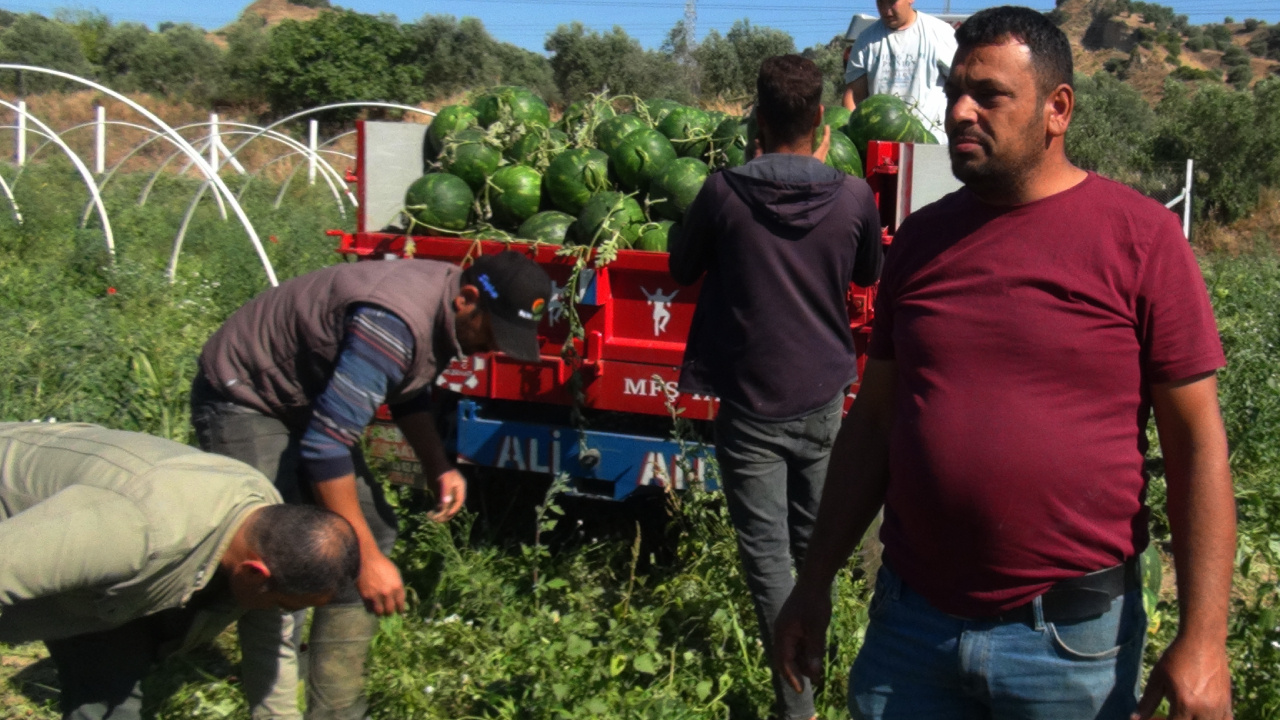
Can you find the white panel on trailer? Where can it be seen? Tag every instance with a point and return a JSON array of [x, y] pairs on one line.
[[392, 160], [926, 177]]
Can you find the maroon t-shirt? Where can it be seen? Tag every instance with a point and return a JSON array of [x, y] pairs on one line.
[[1026, 339]]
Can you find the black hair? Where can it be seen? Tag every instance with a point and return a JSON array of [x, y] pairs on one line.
[[309, 550], [789, 92], [1050, 50]]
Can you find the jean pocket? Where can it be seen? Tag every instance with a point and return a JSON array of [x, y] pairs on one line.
[[1103, 637]]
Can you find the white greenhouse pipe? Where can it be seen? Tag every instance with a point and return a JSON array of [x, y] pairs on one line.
[[181, 142]]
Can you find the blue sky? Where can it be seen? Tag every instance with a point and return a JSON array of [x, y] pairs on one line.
[[527, 22]]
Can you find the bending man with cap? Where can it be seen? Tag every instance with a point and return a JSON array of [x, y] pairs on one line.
[[118, 548], [288, 385]]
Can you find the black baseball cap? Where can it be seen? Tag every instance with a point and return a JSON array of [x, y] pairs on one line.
[[515, 291]]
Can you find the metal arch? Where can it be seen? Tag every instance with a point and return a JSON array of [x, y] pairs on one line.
[[204, 166], [284, 186], [80, 168], [334, 106], [253, 175], [297, 146], [327, 169], [17, 212], [110, 174]]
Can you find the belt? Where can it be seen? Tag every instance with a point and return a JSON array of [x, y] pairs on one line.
[[1079, 598]]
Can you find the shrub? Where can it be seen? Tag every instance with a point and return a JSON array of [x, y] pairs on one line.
[[1250, 24], [1239, 76]]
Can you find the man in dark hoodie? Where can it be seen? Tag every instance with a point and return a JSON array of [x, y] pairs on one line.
[[779, 240]]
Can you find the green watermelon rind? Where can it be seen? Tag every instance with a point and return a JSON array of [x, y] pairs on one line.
[[676, 186], [548, 226], [515, 195], [640, 157], [438, 202], [574, 176]]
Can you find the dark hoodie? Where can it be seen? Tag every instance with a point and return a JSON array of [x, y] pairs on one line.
[[779, 240]]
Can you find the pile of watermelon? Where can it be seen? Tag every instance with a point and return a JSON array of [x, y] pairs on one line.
[[611, 170]]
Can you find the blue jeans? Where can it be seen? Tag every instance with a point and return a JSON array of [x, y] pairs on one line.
[[918, 662], [772, 474]]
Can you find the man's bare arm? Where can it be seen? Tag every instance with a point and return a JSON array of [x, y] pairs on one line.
[[854, 93], [857, 476], [1194, 673]]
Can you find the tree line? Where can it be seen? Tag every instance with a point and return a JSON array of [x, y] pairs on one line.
[[1233, 134], [344, 55]]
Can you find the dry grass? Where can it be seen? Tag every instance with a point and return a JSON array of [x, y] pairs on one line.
[[1259, 231]]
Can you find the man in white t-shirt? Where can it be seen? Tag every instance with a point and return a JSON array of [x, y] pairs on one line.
[[908, 54]]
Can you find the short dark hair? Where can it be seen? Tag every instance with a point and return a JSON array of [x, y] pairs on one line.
[[789, 95], [309, 550], [1050, 50]]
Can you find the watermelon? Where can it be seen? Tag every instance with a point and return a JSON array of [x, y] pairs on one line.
[[734, 156], [488, 233], [511, 105], [548, 226], [658, 109], [439, 201], [676, 186], [640, 158], [881, 117], [583, 112], [471, 155], [611, 132], [653, 236], [575, 176], [517, 190], [688, 129], [605, 215], [538, 147], [450, 119], [729, 142], [836, 116], [842, 155]]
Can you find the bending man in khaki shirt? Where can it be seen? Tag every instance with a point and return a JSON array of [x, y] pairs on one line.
[[117, 548]]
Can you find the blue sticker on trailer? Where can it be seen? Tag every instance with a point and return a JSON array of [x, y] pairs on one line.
[[624, 461]]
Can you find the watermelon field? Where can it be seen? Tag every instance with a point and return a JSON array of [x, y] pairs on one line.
[[585, 622]]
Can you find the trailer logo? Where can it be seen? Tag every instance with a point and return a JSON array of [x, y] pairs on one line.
[[555, 308], [661, 315], [650, 387], [672, 471]]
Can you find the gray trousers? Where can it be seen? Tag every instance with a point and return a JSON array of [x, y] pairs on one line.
[[270, 641], [772, 474]]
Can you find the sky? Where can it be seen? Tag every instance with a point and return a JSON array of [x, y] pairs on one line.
[[526, 23]]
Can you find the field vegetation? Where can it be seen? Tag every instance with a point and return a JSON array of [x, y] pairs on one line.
[[587, 621]]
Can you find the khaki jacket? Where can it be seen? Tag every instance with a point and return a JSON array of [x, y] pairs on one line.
[[99, 527]]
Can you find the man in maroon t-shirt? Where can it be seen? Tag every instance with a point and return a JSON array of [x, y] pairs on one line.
[[1026, 328]]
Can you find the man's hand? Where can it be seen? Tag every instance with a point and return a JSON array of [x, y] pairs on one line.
[[825, 146], [451, 491], [1196, 678], [800, 635], [379, 584]]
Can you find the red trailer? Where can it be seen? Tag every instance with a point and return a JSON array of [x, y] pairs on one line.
[[600, 408]]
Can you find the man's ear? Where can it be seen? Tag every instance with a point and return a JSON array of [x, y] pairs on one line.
[[817, 123], [255, 572], [1058, 109], [468, 297]]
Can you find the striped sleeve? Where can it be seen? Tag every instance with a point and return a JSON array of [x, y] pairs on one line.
[[375, 354]]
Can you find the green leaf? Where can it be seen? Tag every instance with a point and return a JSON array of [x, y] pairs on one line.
[[646, 663], [617, 664], [577, 646], [703, 689]]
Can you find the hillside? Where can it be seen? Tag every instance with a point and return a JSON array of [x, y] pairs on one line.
[[1142, 53], [273, 12]]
